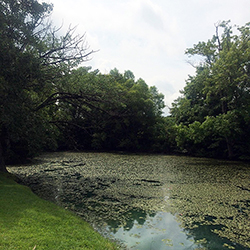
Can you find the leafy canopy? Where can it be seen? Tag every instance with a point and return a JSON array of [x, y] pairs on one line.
[[212, 115]]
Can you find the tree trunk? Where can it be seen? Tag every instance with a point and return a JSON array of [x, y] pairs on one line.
[[229, 148], [2, 163]]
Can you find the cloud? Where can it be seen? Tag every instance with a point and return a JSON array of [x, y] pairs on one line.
[[148, 37], [152, 16]]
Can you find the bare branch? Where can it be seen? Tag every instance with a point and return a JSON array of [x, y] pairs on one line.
[[191, 63], [70, 48], [75, 99], [217, 36]]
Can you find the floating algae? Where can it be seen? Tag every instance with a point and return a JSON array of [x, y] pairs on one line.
[[146, 198]]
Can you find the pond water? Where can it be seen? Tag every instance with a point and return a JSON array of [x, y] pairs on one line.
[[149, 201], [155, 231]]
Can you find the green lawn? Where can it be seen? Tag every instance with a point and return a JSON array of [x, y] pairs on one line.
[[28, 222]]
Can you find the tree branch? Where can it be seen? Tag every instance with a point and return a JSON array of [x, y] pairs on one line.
[[217, 36], [69, 97], [69, 48]]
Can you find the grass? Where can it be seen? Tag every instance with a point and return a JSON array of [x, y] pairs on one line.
[[28, 222]]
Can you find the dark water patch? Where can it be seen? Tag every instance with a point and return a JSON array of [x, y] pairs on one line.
[[156, 183], [205, 236], [243, 188], [53, 169]]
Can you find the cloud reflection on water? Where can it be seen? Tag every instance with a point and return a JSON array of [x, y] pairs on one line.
[[157, 232]]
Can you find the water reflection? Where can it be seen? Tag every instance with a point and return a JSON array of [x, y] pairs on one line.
[[161, 230], [156, 231], [131, 218], [204, 235]]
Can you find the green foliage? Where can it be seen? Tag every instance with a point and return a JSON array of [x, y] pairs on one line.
[[33, 62], [122, 113], [20, 78], [46, 101], [212, 116]]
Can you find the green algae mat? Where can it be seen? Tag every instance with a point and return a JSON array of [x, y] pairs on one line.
[[149, 201]]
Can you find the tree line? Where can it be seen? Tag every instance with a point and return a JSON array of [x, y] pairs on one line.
[[212, 116], [48, 101]]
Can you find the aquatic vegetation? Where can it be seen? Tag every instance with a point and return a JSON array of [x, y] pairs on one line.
[[221, 203], [114, 191]]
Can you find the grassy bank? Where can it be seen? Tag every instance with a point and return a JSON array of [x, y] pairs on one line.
[[28, 222]]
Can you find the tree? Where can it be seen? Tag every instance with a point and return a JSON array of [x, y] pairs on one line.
[[123, 115], [217, 97], [33, 61]]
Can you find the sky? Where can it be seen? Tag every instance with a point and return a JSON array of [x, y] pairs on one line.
[[148, 37]]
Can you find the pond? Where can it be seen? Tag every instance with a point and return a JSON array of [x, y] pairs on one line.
[[149, 201]]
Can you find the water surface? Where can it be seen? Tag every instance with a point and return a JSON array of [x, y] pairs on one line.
[[150, 201]]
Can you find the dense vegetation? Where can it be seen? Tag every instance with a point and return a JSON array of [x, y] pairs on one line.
[[122, 113], [213, 114], [48, 101]]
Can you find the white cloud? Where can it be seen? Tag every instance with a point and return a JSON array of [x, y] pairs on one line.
[[148, 37]]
